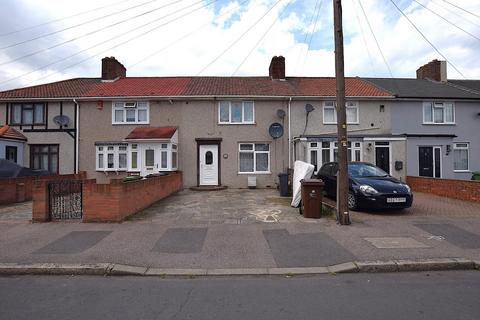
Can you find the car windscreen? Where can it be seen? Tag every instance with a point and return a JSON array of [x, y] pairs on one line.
[[362, 170]]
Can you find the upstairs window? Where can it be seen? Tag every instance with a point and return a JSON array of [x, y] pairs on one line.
[[330, 112], [130, 112], [438, 113], [236, 112], [27, 114]]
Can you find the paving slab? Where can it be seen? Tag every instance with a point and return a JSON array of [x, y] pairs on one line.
[[73, 242], [453, 234], [181, 240], [305, 249], [395, 243]]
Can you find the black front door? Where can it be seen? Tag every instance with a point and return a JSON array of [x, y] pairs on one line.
[[382, 158], [425, 161]]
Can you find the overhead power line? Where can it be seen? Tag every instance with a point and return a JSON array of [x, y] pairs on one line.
[[239, 38], [263, 37], [96, 19], [126, 41], [312, 33], [448, 21], [364, 38], [63, 18], [88, 33], [426, 39], [188, 34], [376, 41], [306, 34], [460, 8], [444, 7]]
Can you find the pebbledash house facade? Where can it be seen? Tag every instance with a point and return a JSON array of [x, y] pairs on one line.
[[219, 131]]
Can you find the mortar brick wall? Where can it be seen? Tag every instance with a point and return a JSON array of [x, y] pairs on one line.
[[468, 190], [117, 200]]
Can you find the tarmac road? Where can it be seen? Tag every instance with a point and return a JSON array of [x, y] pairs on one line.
[[421, 295]]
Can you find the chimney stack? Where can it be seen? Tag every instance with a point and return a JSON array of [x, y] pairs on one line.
[[276, 70], [434, 70], [112, 69]]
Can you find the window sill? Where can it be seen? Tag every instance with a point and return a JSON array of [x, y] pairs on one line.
[[257, 173], [439, 124], [235, 123], [129, 123], [348, 123], [463, 171], [111, 170]]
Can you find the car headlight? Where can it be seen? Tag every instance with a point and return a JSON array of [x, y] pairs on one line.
[[368, 190], [408, 188]]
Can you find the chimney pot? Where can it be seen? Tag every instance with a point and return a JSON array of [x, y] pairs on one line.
[[276, 70], [112, 69], [434, 70]]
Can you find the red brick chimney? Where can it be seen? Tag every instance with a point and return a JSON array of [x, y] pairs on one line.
[[276, 70], [112, 69], [434, 70]]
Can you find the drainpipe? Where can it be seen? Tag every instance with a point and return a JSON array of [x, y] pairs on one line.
[[289, 136], [77, 120]]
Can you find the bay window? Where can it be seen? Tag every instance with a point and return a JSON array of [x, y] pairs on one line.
[[254, 158], [320, 153]]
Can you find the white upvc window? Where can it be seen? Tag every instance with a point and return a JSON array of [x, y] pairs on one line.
[[461, 156], [134, 158], [438, 113], [236, 112], [111, 157], [327, 151], [254, 158], [130, 112], [330, 112]]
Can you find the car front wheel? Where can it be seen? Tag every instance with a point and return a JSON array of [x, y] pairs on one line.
[[352, 201]]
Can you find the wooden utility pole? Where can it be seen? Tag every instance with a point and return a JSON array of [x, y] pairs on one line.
[[342, 177]]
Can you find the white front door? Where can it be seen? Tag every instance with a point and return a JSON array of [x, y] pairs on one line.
[[150, 159], [208, 164]]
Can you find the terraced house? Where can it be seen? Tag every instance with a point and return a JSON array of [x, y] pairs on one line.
[[220, 131]]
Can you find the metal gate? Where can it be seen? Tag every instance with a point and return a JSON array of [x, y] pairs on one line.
[[65, 199]]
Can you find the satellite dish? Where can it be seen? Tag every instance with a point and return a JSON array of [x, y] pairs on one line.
[[61, 120], [309, 108], [281, 113], [275, 130]]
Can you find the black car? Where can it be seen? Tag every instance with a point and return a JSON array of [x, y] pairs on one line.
[[369, 187]]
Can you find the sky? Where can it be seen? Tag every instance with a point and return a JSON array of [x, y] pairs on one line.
[[50, 40]]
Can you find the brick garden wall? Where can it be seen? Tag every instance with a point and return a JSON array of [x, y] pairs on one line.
[[20, 189], [40, 210], [458, 189], [117, 200]]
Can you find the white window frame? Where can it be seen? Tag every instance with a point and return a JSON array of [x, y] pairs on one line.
[[332, 147], [230, 112], [456, 147], [116, 157], [254, 157], [432, 105], [348, 105], [121, 105]]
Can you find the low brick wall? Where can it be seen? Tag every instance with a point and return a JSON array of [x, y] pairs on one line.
[[20, 189], [40, 207], [458, 189], [117, 200]]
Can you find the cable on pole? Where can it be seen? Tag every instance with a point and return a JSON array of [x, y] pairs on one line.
[[426, 39], [364, 39], [311, 34], [306, 34]]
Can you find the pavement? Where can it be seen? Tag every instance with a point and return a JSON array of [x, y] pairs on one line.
[[394, 296], [246, 232]]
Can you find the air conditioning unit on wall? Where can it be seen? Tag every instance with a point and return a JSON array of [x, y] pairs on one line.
[[252, 182]]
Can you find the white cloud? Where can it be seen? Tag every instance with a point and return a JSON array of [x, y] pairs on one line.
[[214, 31]]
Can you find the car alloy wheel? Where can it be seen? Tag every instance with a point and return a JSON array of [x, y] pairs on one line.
[[352, 201]]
